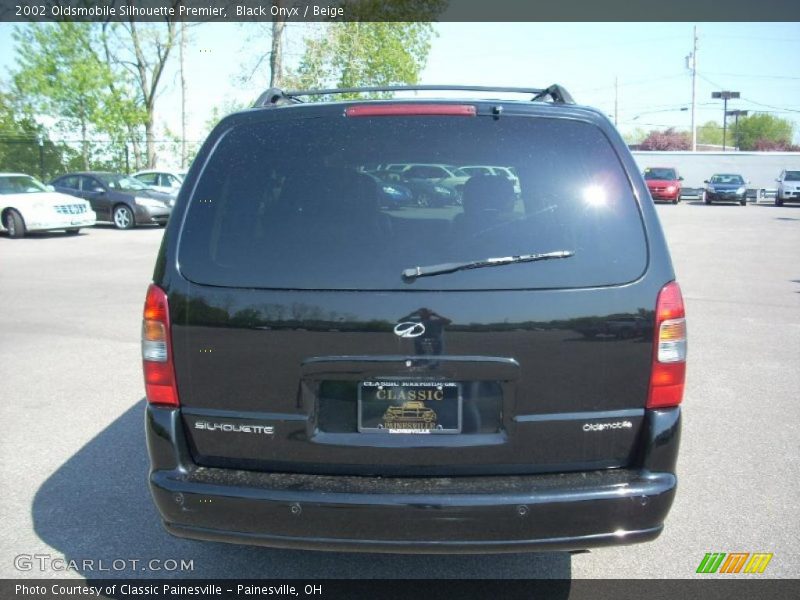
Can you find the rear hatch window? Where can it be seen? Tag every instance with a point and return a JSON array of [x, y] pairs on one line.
[[344, 203]]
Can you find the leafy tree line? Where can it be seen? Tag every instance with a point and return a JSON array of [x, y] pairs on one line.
[[757, 132], [89, 82], [101, 81]]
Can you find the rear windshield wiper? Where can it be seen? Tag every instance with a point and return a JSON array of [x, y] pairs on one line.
[[430, 270]]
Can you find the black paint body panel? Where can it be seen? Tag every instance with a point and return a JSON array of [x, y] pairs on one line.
[[507, 513]]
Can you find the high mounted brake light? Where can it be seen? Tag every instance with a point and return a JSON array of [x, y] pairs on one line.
[[668, 372], [159, 369], [391, 110]]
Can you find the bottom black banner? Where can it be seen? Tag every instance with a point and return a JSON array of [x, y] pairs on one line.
[[445, 589]]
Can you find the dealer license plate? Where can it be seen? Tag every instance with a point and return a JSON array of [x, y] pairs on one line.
[[415, 407]]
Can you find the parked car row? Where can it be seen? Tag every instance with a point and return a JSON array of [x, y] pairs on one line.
[[434, 185], [664, 184], [81, 199]]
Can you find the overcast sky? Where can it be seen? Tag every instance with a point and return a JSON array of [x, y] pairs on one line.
[[760, 60]]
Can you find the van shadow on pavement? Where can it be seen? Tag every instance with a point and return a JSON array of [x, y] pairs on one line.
[[97, 506]]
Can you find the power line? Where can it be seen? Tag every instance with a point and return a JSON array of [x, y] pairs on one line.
[[645, 108], [755, 76], [707, 80], [630, 83], [748, 37], [781, 108]]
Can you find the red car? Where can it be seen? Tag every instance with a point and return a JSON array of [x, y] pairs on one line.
[[664, 183]]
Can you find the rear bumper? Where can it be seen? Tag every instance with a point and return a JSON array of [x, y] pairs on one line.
[[665, 196], [569, 511], [52, 222], [726, 197]]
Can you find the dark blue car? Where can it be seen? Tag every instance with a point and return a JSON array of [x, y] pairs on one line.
[[725, 188]]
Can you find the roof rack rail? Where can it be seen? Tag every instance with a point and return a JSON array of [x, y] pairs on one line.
[[275, 96], [557, 94]]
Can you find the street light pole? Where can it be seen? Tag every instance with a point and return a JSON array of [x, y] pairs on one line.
[[724, 121], [725, 96]]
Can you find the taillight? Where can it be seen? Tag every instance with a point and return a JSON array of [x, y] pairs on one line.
[[390, 110], [159, 370], [669, 353]]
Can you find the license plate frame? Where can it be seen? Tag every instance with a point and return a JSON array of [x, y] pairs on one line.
[[392, 406]]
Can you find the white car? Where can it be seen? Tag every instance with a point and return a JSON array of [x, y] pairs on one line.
[[26, 204], [168, 182], [788, 187], [506, 172]]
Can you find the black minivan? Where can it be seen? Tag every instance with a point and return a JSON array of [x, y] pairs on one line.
[[325, 371]]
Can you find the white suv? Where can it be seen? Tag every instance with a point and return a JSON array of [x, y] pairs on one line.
[[788, 187]]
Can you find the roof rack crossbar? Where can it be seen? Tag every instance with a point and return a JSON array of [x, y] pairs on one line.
[[276, 96]]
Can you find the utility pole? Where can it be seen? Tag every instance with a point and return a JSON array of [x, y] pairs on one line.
[[691, 63], [616, 98], [183, 95]]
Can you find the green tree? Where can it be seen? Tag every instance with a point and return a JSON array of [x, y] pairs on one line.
[[25, 146], [65, 75], [761, 128], [360, 53], [143, 51], [710, 132], [221, 110], [125, 115], [635, 137], [257, 34], [60, 77]]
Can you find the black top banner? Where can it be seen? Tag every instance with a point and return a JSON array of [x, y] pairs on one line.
[[401, 10]]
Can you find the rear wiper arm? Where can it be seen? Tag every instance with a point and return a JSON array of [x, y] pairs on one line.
[[430, 270]]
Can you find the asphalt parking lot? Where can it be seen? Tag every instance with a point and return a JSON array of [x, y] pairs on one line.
[[74, 464]]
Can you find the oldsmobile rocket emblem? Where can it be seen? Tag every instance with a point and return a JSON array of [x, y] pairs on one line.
[[409, 329]]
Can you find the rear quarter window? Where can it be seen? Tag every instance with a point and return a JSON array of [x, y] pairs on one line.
[[317, 203]]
